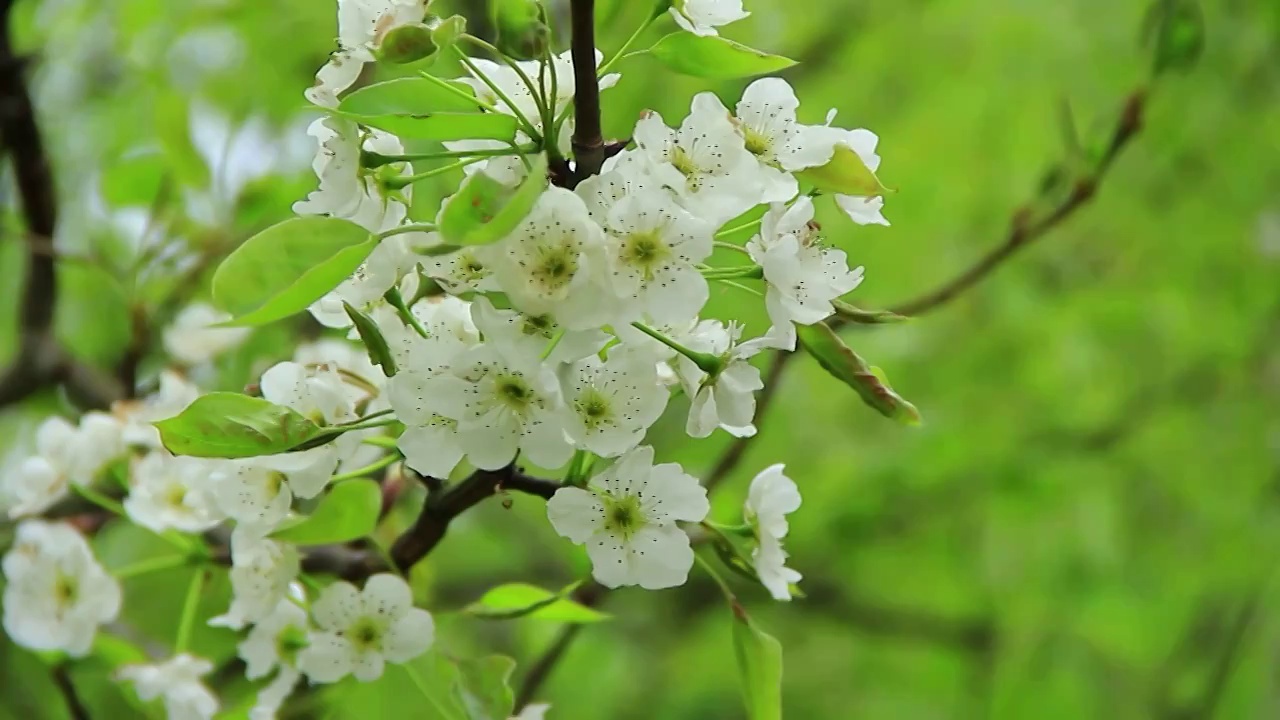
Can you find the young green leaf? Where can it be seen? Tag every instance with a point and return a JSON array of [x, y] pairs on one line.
[[283, 269], [348, 512], [715, 57], [844, 174], [485, 211], [231, 425], [866, 317], [446, 33], [516, 600], [759, 667], [374, 342], [443, 126], [845, 365], [410, 95]]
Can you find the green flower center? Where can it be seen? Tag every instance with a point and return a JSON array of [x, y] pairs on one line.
[[757, 143], [683, 161], [555, 266], [540, 325], [514, 393], [645, 251], [593, 407], [623, 515], [175, 495], [66, 589], [366, 634], [289, 642]]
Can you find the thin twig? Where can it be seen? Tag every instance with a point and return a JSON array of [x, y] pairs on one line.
[[588, 143], [1025, 228], [62, 678]]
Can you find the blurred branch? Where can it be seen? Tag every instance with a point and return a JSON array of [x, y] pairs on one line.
[[62, 679], [40, 360], [1026, 227], [973, 634]]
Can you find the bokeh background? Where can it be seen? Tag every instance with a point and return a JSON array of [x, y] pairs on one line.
[[1087, 523]]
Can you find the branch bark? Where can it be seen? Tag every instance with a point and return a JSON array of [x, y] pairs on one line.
[[588, 142]]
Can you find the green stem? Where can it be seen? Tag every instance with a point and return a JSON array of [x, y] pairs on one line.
[[552, 343], [150, 565], [381, 441], [625, 47], [402, 181], [724, 585], [449, 86], [740, 286], [369, 469], [528, 126], [362, 425], [394, 297], [739, 228], [751, 272], [372, 159], [576, 476], [708, 363], [730, 246], [538, 99], [110, 505], [410, 228], [189, 607]]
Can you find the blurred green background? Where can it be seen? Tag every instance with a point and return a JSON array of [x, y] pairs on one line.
[[1087, 524]]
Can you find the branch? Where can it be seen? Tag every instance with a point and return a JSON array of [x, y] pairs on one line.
[[62, 678], [588, 143], [1025, 228], [438, 511]]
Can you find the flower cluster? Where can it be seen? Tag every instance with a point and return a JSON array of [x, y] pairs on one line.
[[557, 342]]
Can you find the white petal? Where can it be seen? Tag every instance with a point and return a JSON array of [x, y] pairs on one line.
[[575, 513], [409, 636], [337, 606]]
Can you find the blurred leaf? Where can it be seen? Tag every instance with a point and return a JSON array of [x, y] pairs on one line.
[[844, 364], [844, 174], [483, 687], [231, 425], [443, 126], [715, 57], [349, 511], [1174, 29], [485, 210], [134, 180], [283, 269], [759, 667], [91, 317], [408, 96], [173, 128], [516, 600], [116, 651]]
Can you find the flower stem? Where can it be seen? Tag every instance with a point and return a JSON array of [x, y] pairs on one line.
[[553, 343], [738, 285], [579, 466], [706, 362], [622, 51], [150, 565], [189, 607], [449, 86], [394, 297], [730, 246], [402, 181], [372, 159], [110, 505], [470, 65], [751, 272], [369, 469], [720, 581], [410, 228], [750, 224]]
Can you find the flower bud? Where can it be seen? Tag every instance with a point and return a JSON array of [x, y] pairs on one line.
[[406, 44], [520, 28]]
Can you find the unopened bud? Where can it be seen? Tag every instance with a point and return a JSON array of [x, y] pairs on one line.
[[407, 43], [520, 28]]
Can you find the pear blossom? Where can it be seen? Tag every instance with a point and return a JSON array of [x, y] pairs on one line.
[[627, 521], [380, 272], [609, 404], [359, 631], [862, 210], [192, 339], [56, 595], [533, 334], [174, 394], [803, 276], [346, 191], [766, 118], [518, 92], [362, 24], [771, 497], [702, 17], [554, 263], [705, 162], [261, 571], [65, 454], [273, 644], [726, 400], [652, 247], [177, 681], [172, 493]]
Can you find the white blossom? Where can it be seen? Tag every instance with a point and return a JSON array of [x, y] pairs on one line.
[[609, 404], [261, 571], [192, 339], [346, 191], [362, 24], [177, 681], [803, 276], [274, 644], [172, 493], [702, 17], [771, 497], [515, 89], [365, 289], [627, 521], [766, 118], [358, 631], [728, 399], [65, 454], [174, 394], [862, 210], [56, 594]]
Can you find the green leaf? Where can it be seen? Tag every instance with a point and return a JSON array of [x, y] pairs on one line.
[[844, 174], [348, 512], [173, 130], [866, 317], [485, 211], [1175, 30], [231, 425], [443, 126], [446, 33], [407, 96], [283, 269], [844, 364], [483, 687], [406, 44], [374, 342], [516, 600], [759, 667], [134, 180], [715, 57]]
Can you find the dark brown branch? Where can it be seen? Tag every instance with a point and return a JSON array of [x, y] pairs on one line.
[[588, 143], [429, 529], [62, 678], [1026, 228]]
